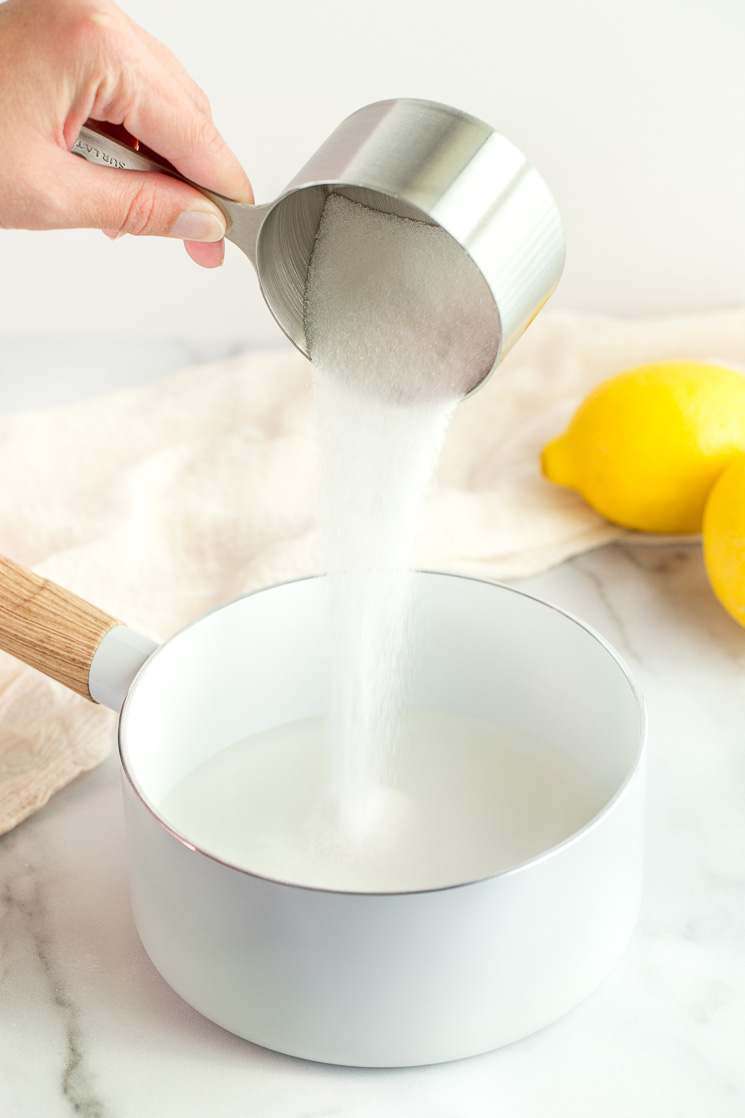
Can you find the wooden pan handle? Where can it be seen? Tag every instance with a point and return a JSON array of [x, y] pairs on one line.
[[49, 628]]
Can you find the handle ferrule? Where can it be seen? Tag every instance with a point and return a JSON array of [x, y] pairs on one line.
[[116, 662], [66, 638]]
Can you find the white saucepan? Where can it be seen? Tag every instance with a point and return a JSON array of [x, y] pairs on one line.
[[385, 979]]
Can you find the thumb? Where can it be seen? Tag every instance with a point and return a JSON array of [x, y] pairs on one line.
[[142, 203]]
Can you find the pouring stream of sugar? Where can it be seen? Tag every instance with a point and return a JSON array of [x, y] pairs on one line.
[[400, 325], [384, 798]]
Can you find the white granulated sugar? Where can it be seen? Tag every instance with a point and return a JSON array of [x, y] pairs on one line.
[[400, 325], [396, 306]]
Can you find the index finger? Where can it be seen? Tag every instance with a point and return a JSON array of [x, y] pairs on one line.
[[169, 113]]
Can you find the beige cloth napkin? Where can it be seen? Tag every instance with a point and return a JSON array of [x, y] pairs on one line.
[[158, 503]]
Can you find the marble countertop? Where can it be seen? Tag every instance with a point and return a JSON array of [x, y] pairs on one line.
[[88, 1027]]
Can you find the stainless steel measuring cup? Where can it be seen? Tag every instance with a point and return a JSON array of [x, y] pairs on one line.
[[416, 159]]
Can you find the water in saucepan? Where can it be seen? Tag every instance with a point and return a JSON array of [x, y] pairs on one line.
[[471, 798]]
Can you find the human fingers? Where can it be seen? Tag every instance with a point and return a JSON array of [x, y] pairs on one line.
[[154, 98], [207, 255], [142, 203]]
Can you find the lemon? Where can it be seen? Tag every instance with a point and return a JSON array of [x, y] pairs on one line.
[[724, 538], [646, 446]]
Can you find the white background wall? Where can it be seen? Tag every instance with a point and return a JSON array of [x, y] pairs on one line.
[[633, 111]]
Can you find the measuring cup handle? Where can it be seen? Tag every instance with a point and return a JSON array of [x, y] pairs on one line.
[[59, 633], [97, 146]]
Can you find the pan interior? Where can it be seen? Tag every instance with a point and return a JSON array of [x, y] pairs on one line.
[[484, 651]]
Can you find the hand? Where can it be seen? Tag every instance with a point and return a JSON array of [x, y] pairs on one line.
[[63, 61]]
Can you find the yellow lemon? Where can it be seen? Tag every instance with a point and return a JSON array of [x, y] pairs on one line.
[[724, 538], [646, 446]]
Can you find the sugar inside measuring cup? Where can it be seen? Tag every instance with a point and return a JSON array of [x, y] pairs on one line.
[[418, 160]]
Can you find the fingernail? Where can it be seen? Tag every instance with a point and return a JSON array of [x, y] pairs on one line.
[[112, 234], [198, 226]]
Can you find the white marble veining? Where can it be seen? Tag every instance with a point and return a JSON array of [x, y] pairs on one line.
[[88, 1028]]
